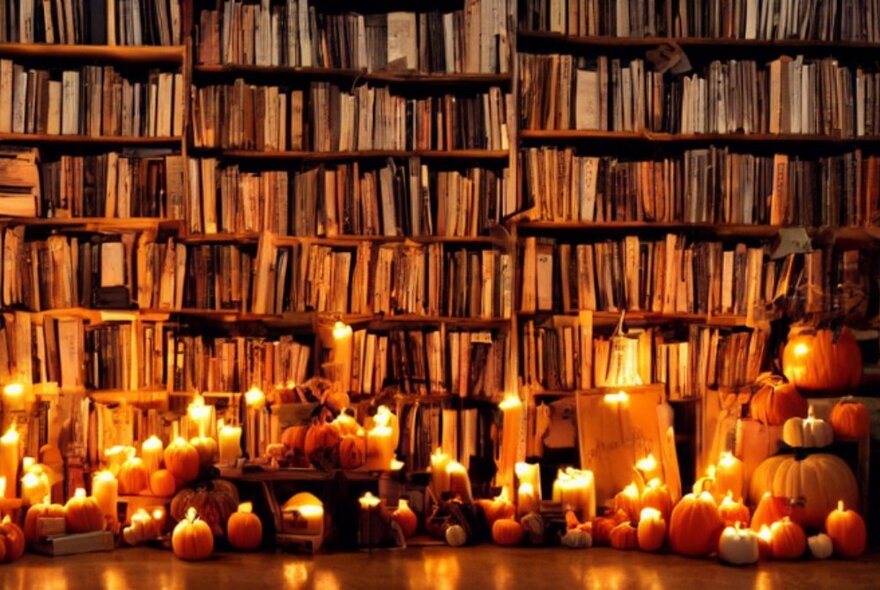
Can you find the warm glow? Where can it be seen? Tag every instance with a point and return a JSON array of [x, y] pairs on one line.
[[801, 349], [313, 511], [647, 464], [650, 514], [503, 496], [11, 436], [810, 415], [2, 486], [154, 443], [255, 398], [13, 389], [104, 476], [368, 500], [79, 493], [341, 330], [382, 417], [655, 483], [30, 480], [621, 397], [191, 514], [631, 490], [764, 534], [526, 489], [27, 463], [710, 472], [397, 465], [158, 514], [246, 507], [840, 506], [727, 459], [510, 401]]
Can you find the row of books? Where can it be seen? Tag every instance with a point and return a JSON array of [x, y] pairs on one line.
[[123, 356], [327, 117], [787, 96], [821, 20], [713, 185], [299, 33], [112, 184], [667, 276], [388, 198], [94, 101], [91, 22]]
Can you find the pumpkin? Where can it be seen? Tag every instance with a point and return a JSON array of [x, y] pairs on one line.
[[818, 481], [732, 512], [850, 418], [694, 527], [807, 433], [575, 538], [507, 532], [192, 539], [12, 540], [455, 535], [82, 514], [656, 495], [847, 531], [244, 529], [352, 451], [624, 537], [294, 438], [815, 363], [322, 444], [534, 528], [602, 527], [133, 476], [500, 507], [651, 530], [572, 522], [769, 510], [773, 404], [406, 518], [821, 546], [787, 539], [36, 512], [627, 500], [738, 546], [215, 501], [163, 483], [182, 460]]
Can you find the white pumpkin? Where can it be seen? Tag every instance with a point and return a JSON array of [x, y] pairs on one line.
[[807, 432], [738, 546], [577, 539], [820, 546], [456, 536]]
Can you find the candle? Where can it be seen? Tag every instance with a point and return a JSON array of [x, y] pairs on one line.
[[116, 456], [459, 482], [255, 398], [765, 541], [384, 417], [529, 473], [368, 501], [159, 519], [628, 500], [575, 489], [199, 415], [313, 519], [34, 487], [707, 482], [512, 412], [151, 453], [342, 339], [2, 486], [439, 478], [380, 448], [728, 476], [254, 427], [656, 495], [648, 468], [105, 491], [9, 454], [13, 397], [230, 444], [527, 500]]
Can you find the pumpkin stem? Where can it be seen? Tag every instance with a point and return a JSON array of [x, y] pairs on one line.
[[736, 525], [840, 506], [191, 514]]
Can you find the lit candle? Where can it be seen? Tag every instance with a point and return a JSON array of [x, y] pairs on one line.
[[728, 476], [342, 339], [368, 501], [384, 417], [512, 412], [34, 487], [305, 514], [707, 482], [13, 397], [151, 453], [529, 473], [254, 428], [765, 541], [9, 455], [527, 501], [629, 501], [116, 456], [199, 415], [439, 478], [230, 444], [380, 448], [459, 481], [313, 516], [656, 495], [255, 398], [648, 468], [105, 491], [159, 519], [2, 486], [575, 490]]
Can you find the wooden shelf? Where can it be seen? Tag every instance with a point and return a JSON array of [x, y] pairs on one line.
[[313, 156], [139, 54], [575, 135], [294, 474], [87, 140], [340, 240], [611, 318], [732, 230], [98, 223], [384, 76]]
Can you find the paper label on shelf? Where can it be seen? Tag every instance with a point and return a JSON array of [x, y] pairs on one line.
[[792, 240]]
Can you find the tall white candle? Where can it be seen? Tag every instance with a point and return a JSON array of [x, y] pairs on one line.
[[105, 491], [151, 453], [342, 339], [9, 458], [230, 444], [13, 397], [439, 478], [512, 410]]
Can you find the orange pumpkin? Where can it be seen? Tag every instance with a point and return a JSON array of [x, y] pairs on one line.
[[602, 527], [847, 531], [82, 514], [774, 404], [656, 495], [133, 476], [215, 501], [624, 537], [36, 512], [163, 483], [572, 522], [192, 539], [787, 539], [499, 507], [695, 527], [406, 518], [182, 460], [815, 363], [850, 419], [651, 530], [507, 532], [294, 439], [769, 510], [322, 443], [627, 501], [732, 511], [12, 540], [352, 451], [244, 529]]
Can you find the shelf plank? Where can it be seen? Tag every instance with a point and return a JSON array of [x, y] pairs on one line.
[[98, 223], [136, 54], [344, 240], [574, 135], [74, 140], [732, 230], [611, 318], [383, 76], [313, 156]]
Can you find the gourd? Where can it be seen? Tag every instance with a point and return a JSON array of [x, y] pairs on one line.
[[244, 529], [695, 526], [738, 546], [215, 501], [192, 539], [850, 418], [82, 514], [182, 460], [846, 528], [507, 532]]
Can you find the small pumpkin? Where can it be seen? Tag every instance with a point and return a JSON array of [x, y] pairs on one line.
[[182, 460], [602, 527], [322, 444], [732, 511], [817, 362], [499, 507], [850, 418], [406, 518], [695, 526], [773, 404], [163, 483], [455, 535], [847, 531], [628, 501], [133, 476], [294, 438], [36, 512], [821, 546], [787, 539], [244, 529], [192, 539], [215, 501], [769, 510], [12, 540], [352, 451], [807, 433], [656, 495], [507, 532], [738, 546], [651, 530], [624, 537], [82, 514]]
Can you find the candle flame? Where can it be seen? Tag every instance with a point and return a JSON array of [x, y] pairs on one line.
[[79, 493], [307, 510], [30, 480], [631, 490], [621, 397], [840, 506], [727, 459], [158, 514], [650, 514], [655, 483], [397, 465], [711, 471], [341, 330], [526, 489], [105, 475], [13, 389], [382, 417], [255, 398], [510, 401], [728, 499], [246, 507], [647, 464], [11, 436], [801, 349], [153, 443], [368, 500], [192, 514], [503, 496], [810, 414], [27, 463]]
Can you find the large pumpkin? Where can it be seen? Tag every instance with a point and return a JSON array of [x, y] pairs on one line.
[[850, 419], [352, 451], [244, 529], [695, 526], [214, 501], [773, 404], [815, 363], [819, 481], [182, 460], [133, 476], [192, 539], [82, 514], [12, 539], [322, 444], [36, 512]]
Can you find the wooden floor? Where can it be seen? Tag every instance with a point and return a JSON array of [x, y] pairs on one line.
[[480, 567]]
